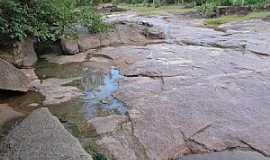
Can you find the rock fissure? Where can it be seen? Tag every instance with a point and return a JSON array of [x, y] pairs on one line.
[[251, 147], [139, 148]]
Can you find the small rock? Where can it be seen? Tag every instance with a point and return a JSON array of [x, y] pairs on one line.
[[69, 46]]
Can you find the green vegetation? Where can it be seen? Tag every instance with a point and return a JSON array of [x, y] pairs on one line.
[[205, 7], [149, 10], [208, 7], [46, 19], [226, 19]]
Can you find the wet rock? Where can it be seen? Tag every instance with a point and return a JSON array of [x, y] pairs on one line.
[[88, 41], [55, 92], [69, 47], [21, 54], [12, 78], [8, 114], [40, 137]]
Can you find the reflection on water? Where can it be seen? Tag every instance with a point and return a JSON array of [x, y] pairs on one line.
[[98, 90]]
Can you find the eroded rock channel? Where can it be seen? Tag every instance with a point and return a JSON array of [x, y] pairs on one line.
[[173, 90]]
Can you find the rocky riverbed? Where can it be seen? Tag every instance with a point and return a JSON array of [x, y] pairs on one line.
[[171, 89]]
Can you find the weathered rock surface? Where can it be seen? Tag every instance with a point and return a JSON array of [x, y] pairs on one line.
[[8, 114], [41, 137], [12, 78], [204, 91], [21, 54]]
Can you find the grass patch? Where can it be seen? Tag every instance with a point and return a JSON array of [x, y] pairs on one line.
[[234, 18], [162, 10]]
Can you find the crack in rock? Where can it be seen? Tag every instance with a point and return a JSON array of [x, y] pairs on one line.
[[254, 148]]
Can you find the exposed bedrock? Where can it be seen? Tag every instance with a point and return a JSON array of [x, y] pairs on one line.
[[204, 91], [41, 137]]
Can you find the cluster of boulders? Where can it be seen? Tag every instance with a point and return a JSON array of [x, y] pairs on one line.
[[121, 33]]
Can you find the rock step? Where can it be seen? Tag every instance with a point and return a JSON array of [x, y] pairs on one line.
[[41, 136]]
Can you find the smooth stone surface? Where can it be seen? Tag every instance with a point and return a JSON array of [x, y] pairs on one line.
[[41, 137], [12, 79], [233, 155]]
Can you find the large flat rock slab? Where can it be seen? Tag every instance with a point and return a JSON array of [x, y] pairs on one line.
[[204, 91], [12, 78], [41, 137]]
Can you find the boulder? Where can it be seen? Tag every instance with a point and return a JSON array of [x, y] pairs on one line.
[[41, 136], [69, 46], [88, 41], [12, 78], [21, 54]]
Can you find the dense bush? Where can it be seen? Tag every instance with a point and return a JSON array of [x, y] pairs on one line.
[[46, 19], [208, 4]]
